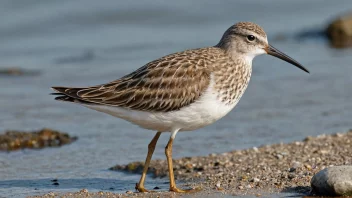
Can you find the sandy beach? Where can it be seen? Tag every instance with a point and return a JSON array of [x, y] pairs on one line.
[[261, 171]]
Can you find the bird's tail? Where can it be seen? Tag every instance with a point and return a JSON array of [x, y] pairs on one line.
[[63, 95]]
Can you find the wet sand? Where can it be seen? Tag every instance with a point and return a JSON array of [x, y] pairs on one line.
[[262, 171]]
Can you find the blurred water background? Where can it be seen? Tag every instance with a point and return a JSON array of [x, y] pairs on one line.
[[89, 42]]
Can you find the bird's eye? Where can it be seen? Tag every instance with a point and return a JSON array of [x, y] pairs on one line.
[[250, 37]]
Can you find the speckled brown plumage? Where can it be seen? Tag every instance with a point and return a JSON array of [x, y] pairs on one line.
[[173, 81], [250, 27], [168, 83], [232, 80]]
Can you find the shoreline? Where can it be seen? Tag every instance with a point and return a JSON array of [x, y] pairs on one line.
[[268, 169]]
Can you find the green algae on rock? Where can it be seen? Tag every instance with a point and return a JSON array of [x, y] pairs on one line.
[[15, 140]]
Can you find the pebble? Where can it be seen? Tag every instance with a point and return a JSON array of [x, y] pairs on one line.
[[309, 167], [254, 180], [296, 164], [292, 169], [129, 192], [279, 156]]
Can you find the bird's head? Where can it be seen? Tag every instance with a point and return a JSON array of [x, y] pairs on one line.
[[248, 40]]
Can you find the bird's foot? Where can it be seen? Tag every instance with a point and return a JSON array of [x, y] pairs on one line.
[[141, 188], [175, 189]]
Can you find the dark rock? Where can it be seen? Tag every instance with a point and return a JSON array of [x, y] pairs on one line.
[[332, 181], [339, 31], [292, 169]]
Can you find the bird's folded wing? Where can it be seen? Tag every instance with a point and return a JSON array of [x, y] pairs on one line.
[[166, 84]]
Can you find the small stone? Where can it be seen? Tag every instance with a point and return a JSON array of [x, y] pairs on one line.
[[296, 164], [189, 166], [308, 138], [256, 149], [291, 176], [333, 181], [279, 156], [254, 179], [324, 151], [309, 167], [339, 135], [129, 192], [292, 169], [240, 187], [83, 190], [218, 184]]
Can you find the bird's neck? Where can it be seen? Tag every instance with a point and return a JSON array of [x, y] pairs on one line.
[[231, 51], [231, 79]]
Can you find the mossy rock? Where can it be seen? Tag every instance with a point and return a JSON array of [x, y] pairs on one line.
[[339, 31]]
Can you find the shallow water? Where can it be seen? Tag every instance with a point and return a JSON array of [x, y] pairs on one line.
[[87, 42]]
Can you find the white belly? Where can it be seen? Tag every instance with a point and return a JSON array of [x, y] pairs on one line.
[[205, 111]]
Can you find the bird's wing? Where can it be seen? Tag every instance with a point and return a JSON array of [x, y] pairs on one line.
[[166, 84]]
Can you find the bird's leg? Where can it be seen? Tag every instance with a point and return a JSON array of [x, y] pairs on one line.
[[168, 153], [151, 148]]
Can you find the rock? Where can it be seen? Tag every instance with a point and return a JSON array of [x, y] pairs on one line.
[[332, 181], [129, 192], [14, 140], [218, 184], [16, 71], [254, 179], [339, 31], [296, 164]]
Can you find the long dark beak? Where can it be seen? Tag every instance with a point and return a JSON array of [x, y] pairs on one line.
[[275, 52]]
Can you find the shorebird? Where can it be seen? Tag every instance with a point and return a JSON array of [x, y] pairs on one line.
[[183, 91]]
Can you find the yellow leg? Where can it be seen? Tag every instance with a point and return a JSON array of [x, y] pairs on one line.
[[151, 148], [168, 153]]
